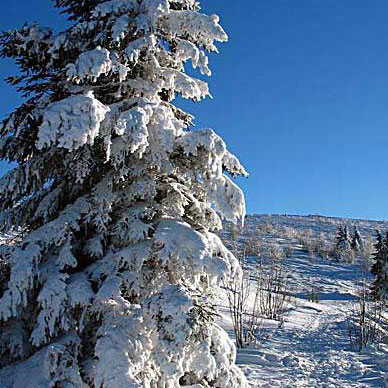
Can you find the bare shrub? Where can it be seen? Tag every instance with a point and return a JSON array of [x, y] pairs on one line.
[[315, 245], [345, 255], [250, 300], [319, 248], [266, 227], [238, 291], [289, 232], [252, 246], [271, 296], [247, 324], [301, 239], [309, 232], [275, 252], [365, 254], [313, 294], [234, 233], [289, 251], [367, 323]]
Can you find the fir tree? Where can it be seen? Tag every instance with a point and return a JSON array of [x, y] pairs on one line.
[[380, 268], [340, 235], [357, 242], [343, 247], [111, 283]]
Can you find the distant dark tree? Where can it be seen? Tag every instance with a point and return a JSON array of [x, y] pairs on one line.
[[380, 268]]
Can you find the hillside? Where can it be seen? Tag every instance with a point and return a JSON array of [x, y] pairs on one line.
[[308, 346], [312, 223]]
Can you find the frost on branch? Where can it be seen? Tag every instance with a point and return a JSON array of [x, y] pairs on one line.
[[116, 201]]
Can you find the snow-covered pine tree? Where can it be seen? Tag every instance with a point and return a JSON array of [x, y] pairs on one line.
[[380, 268], [340, 236], [343, 249], [112, 282], [357, 243]]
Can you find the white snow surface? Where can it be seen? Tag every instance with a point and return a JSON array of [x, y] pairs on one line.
[[312, 348]]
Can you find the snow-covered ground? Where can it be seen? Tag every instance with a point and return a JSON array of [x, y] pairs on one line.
[[311, 349]]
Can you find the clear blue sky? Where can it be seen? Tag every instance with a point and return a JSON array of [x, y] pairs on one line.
[[300, 94]]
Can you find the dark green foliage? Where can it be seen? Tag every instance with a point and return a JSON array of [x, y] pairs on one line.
[[76, 9], [379, 268]]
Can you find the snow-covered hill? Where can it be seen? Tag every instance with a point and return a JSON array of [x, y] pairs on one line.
[[310, 347], [314, 224]]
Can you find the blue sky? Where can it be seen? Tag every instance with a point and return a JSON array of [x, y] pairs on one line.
[[300, 95]]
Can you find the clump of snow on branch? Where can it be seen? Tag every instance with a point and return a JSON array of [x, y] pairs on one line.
[[197, 255], [133, 124], [90, 65], [202, 29], [187, 50], [72, 122], [115, 7], [133, 49]]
